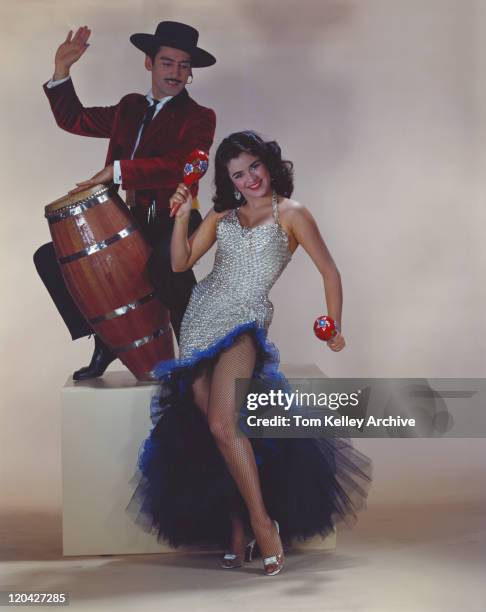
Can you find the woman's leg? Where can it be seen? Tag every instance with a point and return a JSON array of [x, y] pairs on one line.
[[239, 362], [201, 389]]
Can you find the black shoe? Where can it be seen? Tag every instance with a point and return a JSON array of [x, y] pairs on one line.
[[101, 359]]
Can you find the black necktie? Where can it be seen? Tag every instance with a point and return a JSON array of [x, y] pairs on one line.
[[149, 115]]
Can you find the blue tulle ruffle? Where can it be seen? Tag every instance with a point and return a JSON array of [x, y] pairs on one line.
[[266, 368]]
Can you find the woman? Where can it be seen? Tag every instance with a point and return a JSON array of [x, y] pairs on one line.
[[201, 481]]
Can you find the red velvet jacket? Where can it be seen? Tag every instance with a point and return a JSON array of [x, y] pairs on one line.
[[179, 127]]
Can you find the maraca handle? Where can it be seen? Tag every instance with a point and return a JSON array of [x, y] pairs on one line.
[[174, 209]]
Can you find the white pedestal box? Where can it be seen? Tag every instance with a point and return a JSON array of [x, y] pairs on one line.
[[104, 422]]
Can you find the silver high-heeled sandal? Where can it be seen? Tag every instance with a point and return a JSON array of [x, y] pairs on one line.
[[232, 561], [274, 565]]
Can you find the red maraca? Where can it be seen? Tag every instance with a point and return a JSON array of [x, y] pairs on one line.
[[325, 328], [194, 169]]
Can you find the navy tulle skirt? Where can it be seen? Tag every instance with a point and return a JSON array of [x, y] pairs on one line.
[[184, 492]]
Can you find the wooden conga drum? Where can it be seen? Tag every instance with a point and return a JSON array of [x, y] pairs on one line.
[[103, 258]]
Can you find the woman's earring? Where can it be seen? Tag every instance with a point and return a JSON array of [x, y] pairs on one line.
[[188, 82], [237, 194]]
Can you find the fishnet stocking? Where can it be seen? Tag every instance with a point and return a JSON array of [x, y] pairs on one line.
[[214, 392]]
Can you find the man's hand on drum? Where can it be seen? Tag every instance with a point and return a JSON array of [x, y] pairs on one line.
[[70, 51], [104, 176], [181, 202]]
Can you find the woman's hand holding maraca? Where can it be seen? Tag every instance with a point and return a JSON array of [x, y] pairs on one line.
[[336, 343], [181, 202], [327, 330]]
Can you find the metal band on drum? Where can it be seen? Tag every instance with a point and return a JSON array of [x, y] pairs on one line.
[[95, 248], [118, 312], [78, 206], [141, 341], [78, 209]]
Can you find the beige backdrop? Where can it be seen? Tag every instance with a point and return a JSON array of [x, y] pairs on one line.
[[380, 106]]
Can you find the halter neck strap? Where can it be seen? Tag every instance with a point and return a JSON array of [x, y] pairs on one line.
[[275, 208]]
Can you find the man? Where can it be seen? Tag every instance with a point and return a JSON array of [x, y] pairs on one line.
[[149, 140]]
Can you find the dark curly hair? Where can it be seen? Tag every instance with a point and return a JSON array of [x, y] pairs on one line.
[[281, 171]]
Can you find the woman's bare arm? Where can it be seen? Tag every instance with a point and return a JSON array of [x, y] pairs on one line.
[[185, 250], [304, 228]]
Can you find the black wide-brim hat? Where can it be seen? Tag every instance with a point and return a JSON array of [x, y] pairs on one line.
[[176, 35]]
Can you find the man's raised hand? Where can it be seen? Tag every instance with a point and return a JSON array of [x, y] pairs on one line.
[[70, 51]]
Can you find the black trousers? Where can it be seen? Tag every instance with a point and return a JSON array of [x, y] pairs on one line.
[[173, 289]]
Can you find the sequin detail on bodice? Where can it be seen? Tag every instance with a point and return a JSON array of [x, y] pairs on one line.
[[247, 263]]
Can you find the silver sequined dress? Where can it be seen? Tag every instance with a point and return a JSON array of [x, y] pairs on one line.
[[247, 263], [185, 493]]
